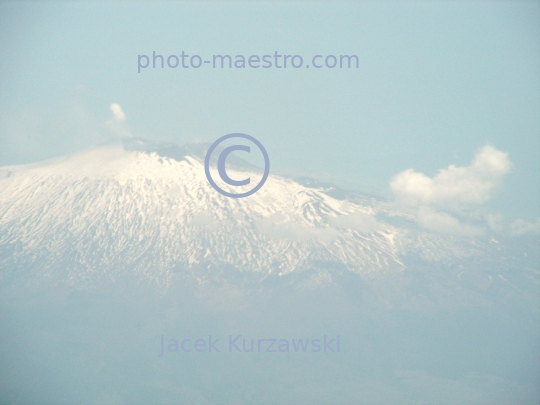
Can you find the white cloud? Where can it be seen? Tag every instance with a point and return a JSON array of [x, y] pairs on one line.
[[454, 187], [118, 113], [438, 198], [117, 123], [520, 227], [430, 219]]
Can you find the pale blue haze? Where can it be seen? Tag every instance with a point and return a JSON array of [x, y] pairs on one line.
[[436, 82], [423, 262]]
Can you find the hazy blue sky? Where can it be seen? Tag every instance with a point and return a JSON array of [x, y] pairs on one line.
[[437, 81]]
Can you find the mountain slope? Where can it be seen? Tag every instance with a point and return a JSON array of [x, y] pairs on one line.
[[147, 209], [106, 252]]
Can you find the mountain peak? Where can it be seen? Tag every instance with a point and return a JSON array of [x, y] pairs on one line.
[[196, 150], [166, 149]]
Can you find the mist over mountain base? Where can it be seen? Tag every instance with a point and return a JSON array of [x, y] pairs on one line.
[[102, 345]]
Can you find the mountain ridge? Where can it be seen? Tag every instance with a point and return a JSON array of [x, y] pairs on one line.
[[128, 211]]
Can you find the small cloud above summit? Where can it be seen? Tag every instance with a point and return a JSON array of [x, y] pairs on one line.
[[118, 113], [117, 123]]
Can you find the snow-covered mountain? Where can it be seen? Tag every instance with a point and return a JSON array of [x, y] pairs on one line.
[[104, 252], [146, 210]]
